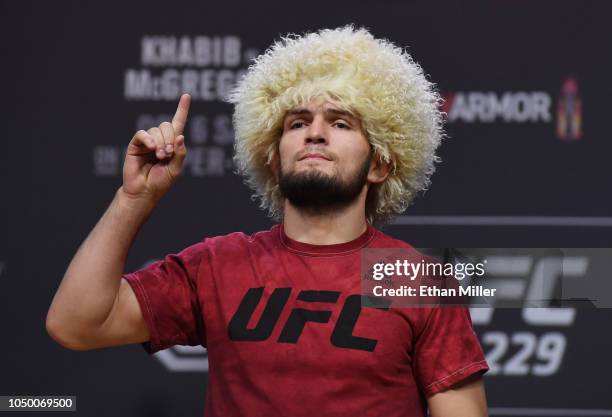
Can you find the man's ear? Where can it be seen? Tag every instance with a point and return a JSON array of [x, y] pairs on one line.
[[275, 165], [379, 169]]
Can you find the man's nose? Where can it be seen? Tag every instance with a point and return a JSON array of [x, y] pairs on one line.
[[316, 133]]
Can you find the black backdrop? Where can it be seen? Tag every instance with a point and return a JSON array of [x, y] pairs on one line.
[[78, 78]]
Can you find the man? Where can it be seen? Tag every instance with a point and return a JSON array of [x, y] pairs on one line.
[[335, 131]]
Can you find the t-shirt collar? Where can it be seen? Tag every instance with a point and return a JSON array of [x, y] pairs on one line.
[[326, 250]]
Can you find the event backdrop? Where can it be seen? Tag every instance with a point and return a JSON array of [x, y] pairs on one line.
[[526, 164]]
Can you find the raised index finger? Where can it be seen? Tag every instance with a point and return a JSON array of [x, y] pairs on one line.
[[180, 117]]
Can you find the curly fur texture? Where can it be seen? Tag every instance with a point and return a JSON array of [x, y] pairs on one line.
[[372, 78]]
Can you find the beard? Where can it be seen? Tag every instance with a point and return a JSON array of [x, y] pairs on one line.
[[318, 192]]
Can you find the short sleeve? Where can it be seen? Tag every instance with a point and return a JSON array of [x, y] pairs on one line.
[[167, 292], [447, 350]]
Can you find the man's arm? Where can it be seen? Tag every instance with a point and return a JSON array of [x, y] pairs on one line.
[[465, 399], [92, 287], [93, 307]]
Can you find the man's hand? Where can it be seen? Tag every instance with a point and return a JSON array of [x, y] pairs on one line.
[[155, 157], [465, 399]]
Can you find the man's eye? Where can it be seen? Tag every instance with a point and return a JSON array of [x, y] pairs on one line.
[[342, 125], [294, 124]]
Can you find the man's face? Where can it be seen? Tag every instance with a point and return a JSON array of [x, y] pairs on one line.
[[324, 156]]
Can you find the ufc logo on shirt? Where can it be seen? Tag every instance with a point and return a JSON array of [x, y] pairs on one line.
[[342, 335]]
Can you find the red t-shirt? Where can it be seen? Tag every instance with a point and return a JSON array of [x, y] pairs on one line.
[[286, 333]]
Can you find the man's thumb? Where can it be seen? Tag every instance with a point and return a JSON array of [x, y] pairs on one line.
[[176, 163]]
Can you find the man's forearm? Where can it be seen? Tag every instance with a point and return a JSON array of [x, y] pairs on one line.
[[90, 285], [464, 399]]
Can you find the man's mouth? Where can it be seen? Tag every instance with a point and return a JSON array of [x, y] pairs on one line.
[[314, 155]]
